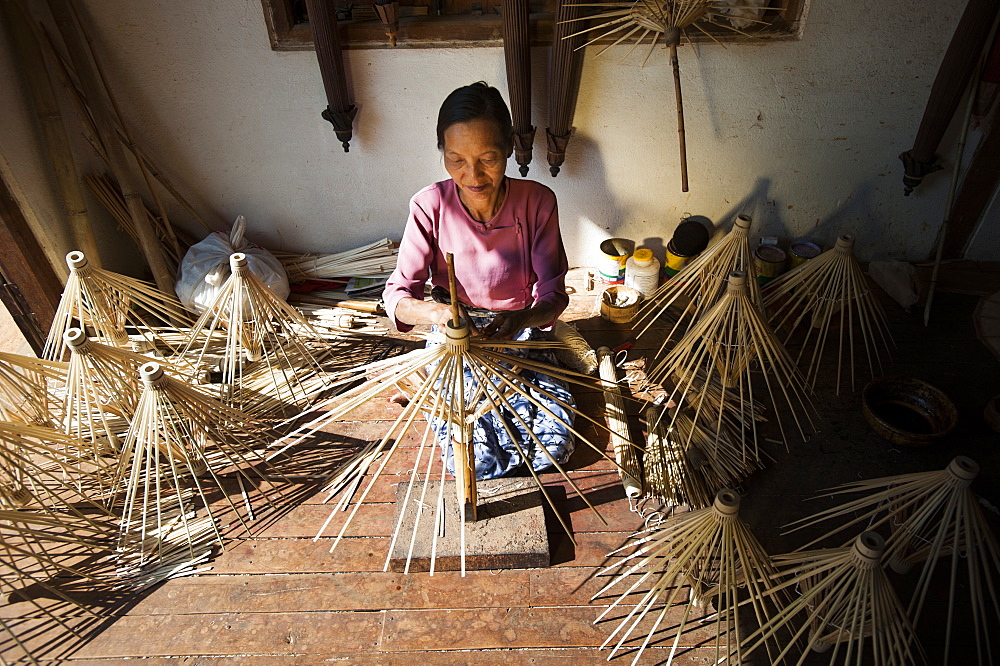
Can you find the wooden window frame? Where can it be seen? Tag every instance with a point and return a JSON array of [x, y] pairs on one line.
[[458, 31]]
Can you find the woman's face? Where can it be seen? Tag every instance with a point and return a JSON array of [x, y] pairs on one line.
[[476, 160]]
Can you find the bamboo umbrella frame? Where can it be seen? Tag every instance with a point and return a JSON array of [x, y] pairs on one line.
[[102, 393], [180, 442], [845, 598], [683, 564], [27, 389], [700, 284], [828, 292], [517, 57], [626, 452], [934, 517], [339, 111], [732, 342], [440, 393], [664, 22], [109, 304], [43, 466], [374, 260], [688, 464], [564, 83], [259, 328]]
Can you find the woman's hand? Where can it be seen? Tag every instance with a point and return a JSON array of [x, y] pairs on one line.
[[507, 324], [415, 312]]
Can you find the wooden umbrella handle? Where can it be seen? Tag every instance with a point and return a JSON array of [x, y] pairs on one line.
[[680, 117], [456, 319]]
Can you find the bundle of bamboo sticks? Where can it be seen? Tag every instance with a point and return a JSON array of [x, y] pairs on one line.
[[375, 260]]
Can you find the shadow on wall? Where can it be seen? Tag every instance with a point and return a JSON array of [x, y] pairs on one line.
[[586, 197]]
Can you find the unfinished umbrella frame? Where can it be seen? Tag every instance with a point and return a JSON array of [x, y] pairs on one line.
[[684, 564], [934, 517], [733, 343], [439, 391], [829, 297], [260, 330], [180, 443], [700, 284], [845, 600], [108, 304]]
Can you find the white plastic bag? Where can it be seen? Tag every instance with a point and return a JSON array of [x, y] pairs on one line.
[[205, 268], [897, 278]]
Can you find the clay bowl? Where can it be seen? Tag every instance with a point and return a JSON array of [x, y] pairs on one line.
[[907, 411]]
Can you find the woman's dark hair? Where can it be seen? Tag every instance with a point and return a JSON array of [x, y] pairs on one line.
[[473, 102]]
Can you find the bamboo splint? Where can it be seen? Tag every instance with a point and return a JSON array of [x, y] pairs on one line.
[[680, 567], [935, 517], [829, 297], [845, 602], [626, 452], [108, 304]]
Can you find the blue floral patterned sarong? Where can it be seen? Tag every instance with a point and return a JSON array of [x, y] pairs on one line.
[[495, 451]]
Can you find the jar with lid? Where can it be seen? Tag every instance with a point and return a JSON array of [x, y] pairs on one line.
[[642, 272]]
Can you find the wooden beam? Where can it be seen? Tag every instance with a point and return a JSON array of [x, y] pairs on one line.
[[32, 288], [975, 193]]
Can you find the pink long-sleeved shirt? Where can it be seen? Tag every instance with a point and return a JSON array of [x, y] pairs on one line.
[[514, 261]]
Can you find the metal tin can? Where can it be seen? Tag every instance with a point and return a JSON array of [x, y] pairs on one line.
[[770, 262], [675, 261], [614, 253], [802, 251]]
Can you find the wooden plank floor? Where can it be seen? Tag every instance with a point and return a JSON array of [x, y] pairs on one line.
[[280, 597]]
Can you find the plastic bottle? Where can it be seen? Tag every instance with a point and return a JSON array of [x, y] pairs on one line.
[[642, 272]]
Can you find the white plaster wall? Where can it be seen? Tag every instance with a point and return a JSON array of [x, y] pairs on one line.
[[801, 135]]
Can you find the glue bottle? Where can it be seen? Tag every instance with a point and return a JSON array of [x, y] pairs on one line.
[[642, 272]]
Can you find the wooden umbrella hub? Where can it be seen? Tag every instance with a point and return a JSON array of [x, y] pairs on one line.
[[737, 282], [727, 503], [964, 470], [868, 549], [77, 340], [237, 261], [77, 262], [457, 337], [845, 244], [152, 375]]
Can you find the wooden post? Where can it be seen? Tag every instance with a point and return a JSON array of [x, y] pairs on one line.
[[30, 281], [28, 54], [465, 467], [89, 79]]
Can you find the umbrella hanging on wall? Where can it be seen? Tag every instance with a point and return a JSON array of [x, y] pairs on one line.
[[660, 22], [564, 83], [388, 14], [340, 111], [517, 56]]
